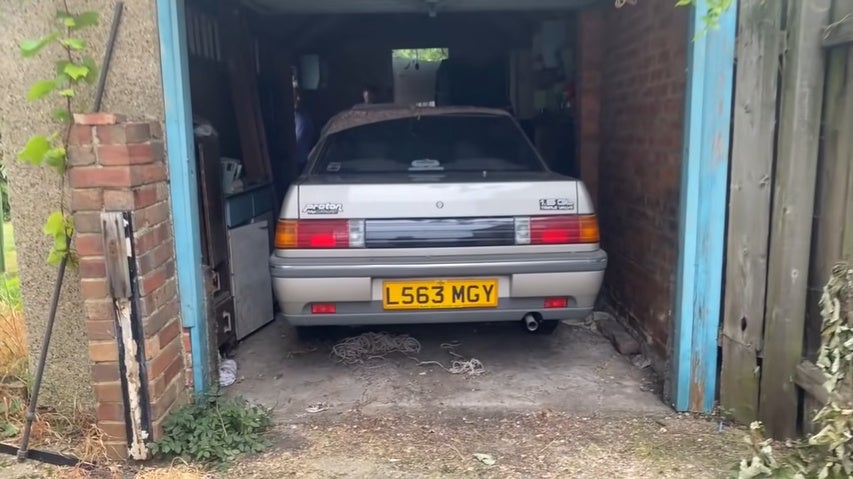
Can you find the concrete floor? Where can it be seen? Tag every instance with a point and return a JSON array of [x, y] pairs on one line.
[[574, 371]]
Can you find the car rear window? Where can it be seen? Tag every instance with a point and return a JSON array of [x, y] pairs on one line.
[[429, 144]]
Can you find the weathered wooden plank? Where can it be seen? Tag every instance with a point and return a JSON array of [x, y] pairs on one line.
[[840, 31], [758, 50], [702, 215], [793, 208], [116, 253], [832, 189], [243, 74], [846, 151], [813, 381]]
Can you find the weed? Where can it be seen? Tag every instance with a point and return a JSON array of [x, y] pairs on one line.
[[214, 429], [77, 432], [13, 342]]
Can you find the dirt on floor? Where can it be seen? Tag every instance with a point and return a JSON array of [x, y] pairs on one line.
[[541, 444], [563, 406]]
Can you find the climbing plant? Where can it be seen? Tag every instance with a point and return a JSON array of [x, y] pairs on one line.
[[715, 10], [73, 69], [827, 454]]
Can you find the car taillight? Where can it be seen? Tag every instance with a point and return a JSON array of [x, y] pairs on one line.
[[557, 229], [552, 303], [323, 308], [319, 234]]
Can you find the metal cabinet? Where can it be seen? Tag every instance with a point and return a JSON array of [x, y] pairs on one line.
[[248, 248]]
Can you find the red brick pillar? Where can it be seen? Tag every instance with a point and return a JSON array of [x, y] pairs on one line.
[[119, 166], [591, 51]]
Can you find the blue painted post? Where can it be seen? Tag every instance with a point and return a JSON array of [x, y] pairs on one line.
[[702, 227], [171, 18]]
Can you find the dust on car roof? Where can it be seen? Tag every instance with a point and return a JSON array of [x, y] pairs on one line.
[[366, 114]]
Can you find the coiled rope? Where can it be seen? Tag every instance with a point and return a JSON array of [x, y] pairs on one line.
[[368, 346]]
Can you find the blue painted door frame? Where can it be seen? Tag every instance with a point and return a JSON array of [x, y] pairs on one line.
[[704, 183], [704, 204], [183, 182]]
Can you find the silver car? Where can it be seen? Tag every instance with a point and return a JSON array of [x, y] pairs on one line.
[[434, 215]]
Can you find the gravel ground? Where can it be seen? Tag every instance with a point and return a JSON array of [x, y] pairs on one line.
[[542, 445]]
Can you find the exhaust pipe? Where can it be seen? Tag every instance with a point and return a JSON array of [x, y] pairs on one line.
[[531, 322]]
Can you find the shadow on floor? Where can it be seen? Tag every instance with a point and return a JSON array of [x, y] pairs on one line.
[[573, 371]]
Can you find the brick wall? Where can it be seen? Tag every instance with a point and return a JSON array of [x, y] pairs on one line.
[[590, 58], [642, 106], [117, 165]]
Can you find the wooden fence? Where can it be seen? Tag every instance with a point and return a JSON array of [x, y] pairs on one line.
[[791, 202]]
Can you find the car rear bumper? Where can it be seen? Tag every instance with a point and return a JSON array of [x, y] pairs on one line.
[[354, 285]]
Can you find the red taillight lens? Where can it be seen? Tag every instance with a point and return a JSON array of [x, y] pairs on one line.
[[552, 303], [323, 309], [567, 229], [317, 234]]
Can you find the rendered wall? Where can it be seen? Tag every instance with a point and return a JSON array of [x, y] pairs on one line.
[[133, 88]]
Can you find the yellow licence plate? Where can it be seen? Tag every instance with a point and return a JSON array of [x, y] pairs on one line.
[[440, 294]]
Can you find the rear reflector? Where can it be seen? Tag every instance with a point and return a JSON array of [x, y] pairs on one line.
[[323, 309], [319, 234], [557, 229], [553, 303]]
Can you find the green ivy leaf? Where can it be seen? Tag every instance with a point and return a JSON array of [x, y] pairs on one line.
[[35, 149], [55, 257], [92, 76], [55, 224], [31, 48], [85, 19], [73, 43], [41, 89], [75, 71], [60, 66], [67, 93], [69, 226], [55, 158], [61, 115]]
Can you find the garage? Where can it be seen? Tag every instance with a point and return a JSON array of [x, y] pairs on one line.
[[601, 91]]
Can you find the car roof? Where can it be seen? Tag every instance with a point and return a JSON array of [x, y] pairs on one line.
[[366, 114]]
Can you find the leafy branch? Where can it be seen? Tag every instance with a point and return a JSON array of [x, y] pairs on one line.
[[827, 454], [71, 71], [715, 10]]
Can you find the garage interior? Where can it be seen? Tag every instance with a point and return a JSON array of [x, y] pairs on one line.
[[599, 90]]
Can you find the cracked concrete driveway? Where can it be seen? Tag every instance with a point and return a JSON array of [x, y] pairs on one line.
[[574, 371]]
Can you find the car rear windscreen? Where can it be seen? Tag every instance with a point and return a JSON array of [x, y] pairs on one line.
[[429, 144]]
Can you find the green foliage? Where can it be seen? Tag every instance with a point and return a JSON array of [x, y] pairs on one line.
[[59, 227], [423, 54], [827, 454], [715, 10], [73, 70], [214, 429], [4, 195], [10, 407]]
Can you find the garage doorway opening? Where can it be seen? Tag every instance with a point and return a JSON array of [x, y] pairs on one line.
[[256, 72], [592, 89]]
